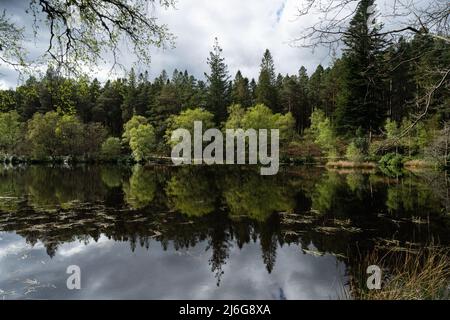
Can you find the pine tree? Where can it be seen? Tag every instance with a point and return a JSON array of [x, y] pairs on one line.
[[253, 87], [266, 91], [289, 96], [218, 84], [129, 100], [240, 93], [315, 88], [108, 109], [360, 103], [142, 94], [303, 96]]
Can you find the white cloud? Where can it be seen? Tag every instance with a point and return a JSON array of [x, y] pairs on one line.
[[244, 29]]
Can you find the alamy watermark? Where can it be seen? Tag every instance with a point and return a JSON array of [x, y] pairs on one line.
[[236, 143], [374, 280], [74, 280]]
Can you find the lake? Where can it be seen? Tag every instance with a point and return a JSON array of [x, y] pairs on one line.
[[199, 232]]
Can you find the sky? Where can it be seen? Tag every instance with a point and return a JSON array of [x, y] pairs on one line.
[[244, 30]]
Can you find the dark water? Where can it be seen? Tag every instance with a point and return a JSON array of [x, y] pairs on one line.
[[206, 232]]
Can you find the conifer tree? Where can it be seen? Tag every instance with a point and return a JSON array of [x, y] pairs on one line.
[[240, 93], [266, 91], [360, 102], [218, 84], [129, 99]]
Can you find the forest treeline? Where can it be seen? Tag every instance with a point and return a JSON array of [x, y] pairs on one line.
[[382, 99]]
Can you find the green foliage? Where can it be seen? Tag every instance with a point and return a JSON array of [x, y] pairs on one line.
[[65, 102], [360, 102], [258, 117], [133, 123], [94, 134], [186, 119], [52, 135], [323, 133], [391, 164], [324, 196], [41, 135], [130, 98], [69, 135], [235, 115], [239, 191], [140, 190], [286, 124], [111, 176], [142, 141], [7, 100], [261, 117], [352, 99], [391, 129], [353, 153], [11, 132], [266, 91], [218, 80], [111, 148], [240, 92], [191, 193]]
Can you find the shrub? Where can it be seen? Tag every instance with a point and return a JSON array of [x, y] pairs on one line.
[[324, 134], [142, 141], [133, 123], [391, 164], [185, 120], [111, 148], [353, 153]]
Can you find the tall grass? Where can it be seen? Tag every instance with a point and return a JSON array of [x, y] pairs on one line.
[[415, 274]]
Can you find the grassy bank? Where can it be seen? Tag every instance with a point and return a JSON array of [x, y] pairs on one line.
[[345, 164], [407, 274]]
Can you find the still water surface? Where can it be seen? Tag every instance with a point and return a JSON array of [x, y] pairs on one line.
[[206, 232]]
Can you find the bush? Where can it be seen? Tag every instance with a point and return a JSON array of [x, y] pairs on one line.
[[111, 148], [142, 141], [185, 120], [392, 160], [323, 134], [353, 153], [133, 123]]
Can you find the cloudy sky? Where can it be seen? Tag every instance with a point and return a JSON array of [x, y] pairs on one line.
[[244, 29]]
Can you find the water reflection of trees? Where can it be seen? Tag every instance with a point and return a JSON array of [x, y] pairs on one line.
[[222, 207], [140, 189], [250, 195], [192, 191]]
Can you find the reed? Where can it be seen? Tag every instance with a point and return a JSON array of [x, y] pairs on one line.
[[408, 274]]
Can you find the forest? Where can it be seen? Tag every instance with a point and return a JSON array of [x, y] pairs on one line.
[[383, 101]]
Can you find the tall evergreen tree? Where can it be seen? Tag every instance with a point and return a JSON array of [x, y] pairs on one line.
[[143, 92], [289, 96], [266, 91], [253, 87], [315, 88], [108, 107], [240, 93], [129, 99], [218, 84], [360, 103], [303, 95]]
